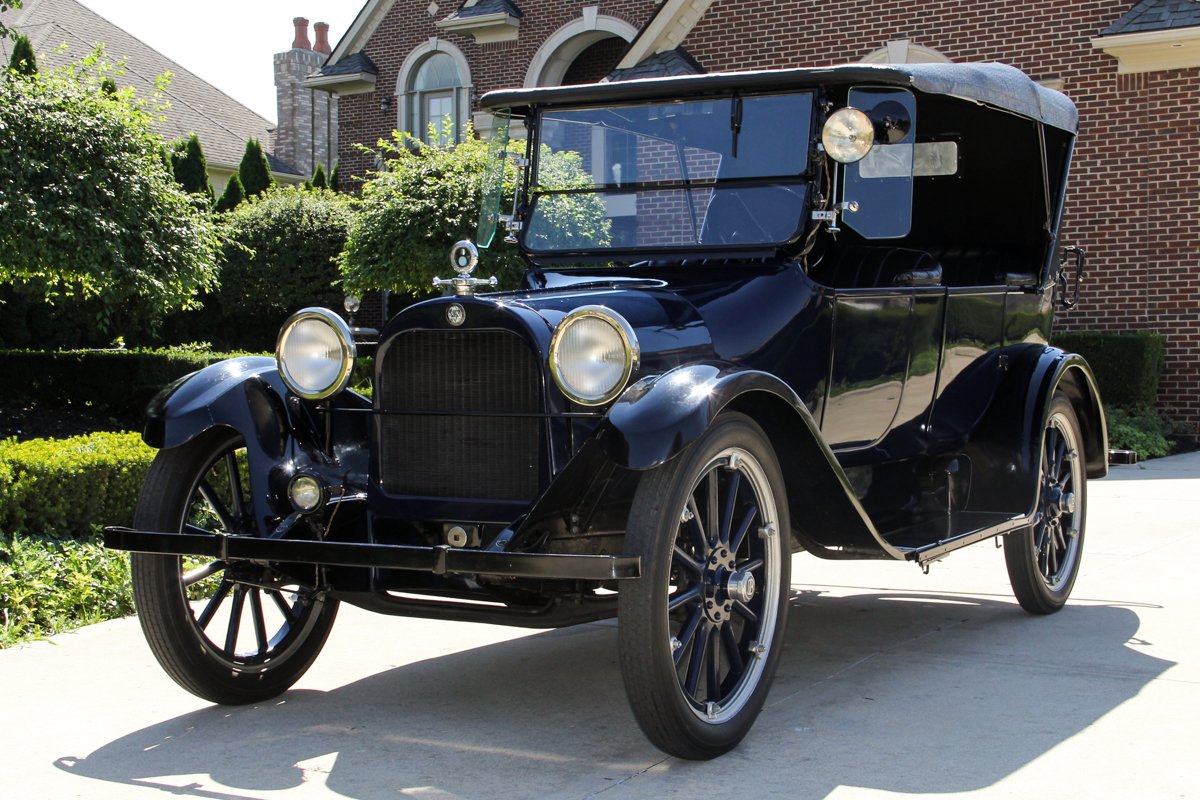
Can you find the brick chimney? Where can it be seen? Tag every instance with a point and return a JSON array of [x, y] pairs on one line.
[[301, 41], [322, 45]]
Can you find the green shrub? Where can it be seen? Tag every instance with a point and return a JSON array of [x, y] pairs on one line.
[[64, 487], [48, 586], [425, 198], [1140, 429], [233, 195], [23, 61], [254, 170], [116, 382], [279, 256], [1127, 365], [190, 167]]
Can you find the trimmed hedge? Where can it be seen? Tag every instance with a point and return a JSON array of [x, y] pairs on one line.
[[1127, 365], [117, 382], [64, 487]]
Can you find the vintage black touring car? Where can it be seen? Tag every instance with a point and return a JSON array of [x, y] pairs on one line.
[[764, 312]]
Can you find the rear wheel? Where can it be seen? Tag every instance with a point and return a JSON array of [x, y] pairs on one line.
[[1043, 560], [701, 631], [227, 632]]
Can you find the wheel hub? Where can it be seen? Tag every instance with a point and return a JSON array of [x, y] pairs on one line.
[[723, 584]]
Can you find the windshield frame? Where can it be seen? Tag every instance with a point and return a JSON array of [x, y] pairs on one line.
[[801, 182]]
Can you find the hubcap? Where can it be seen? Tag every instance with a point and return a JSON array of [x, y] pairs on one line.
[[725, 585]]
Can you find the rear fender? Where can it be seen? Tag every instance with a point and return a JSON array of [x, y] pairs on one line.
[[1007, 476], [659, 417]]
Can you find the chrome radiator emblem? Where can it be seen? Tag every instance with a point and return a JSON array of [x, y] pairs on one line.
[[455, 314]]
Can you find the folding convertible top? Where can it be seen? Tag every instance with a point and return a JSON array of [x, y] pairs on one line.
[[997, 85]]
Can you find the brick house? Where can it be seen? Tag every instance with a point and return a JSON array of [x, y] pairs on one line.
[[1132, 68]]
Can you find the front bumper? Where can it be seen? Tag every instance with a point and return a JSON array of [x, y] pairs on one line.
[[440, 560]]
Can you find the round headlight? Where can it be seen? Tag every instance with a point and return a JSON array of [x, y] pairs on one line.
[[315, 353], [848, 135], [593, 353]]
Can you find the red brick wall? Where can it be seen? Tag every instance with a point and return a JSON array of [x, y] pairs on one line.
[[1134, 200]]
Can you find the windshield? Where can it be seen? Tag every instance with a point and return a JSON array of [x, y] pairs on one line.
[[726, 172], [493, 182]]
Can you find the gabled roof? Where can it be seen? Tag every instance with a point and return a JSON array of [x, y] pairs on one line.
[[223, 124], [483, 8], [1156, 15], [660, 65]]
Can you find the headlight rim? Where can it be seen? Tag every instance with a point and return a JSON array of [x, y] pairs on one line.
[[628, 338], [349, 352]]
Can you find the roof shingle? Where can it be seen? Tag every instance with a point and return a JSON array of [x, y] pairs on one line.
[[223, 124], [1156, 15]]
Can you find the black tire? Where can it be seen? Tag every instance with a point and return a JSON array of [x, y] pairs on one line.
[[200, 486], [1043, 560], [694, 610]]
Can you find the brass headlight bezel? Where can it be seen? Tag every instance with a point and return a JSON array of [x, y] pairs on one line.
[[629, 342], [346, 349]]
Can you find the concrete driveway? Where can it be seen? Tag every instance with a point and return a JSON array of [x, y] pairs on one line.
[[894, 684]]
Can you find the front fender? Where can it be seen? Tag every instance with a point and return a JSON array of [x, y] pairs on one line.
[[246, 395], [659, 416]]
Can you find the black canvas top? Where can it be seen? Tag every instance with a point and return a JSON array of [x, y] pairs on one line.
[[996, 85]]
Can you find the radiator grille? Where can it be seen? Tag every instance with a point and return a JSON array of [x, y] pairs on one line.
[[446, 454]]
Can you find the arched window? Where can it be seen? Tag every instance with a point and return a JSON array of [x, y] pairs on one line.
[[434, 97], [434, 86]]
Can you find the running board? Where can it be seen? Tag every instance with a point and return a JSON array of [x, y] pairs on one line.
[[979, 526]]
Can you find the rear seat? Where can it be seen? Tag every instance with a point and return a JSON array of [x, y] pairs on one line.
[[859, 267], [869, 267]]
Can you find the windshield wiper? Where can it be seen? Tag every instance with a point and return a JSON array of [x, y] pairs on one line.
[[735, 123]]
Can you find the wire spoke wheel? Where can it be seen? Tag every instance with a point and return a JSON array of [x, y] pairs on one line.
[[1043, 560], [701, 630], [228, 632]]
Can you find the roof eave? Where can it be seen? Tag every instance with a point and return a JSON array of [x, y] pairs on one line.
[[342, 85], [1152, 51], [486, 28]]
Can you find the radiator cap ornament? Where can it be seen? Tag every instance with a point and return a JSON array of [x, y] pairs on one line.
[[464, 257]]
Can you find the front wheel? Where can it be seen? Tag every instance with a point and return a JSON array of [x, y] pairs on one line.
[[227, 632], [1043, 560], [701, 631]]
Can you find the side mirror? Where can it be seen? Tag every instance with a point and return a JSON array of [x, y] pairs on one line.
[[1068, 288]]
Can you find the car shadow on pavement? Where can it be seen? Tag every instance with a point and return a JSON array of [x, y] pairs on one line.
[[898, 691]]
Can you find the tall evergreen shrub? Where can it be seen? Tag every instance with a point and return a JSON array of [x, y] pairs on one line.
[[23, 61], [233, 195], [254, 170]]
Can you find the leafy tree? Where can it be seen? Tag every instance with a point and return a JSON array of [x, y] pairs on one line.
[[233, 195], [191, 167], [254, 170], [23, 61], [87, 207], [425, 198], [318, 178], [333, 180]]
